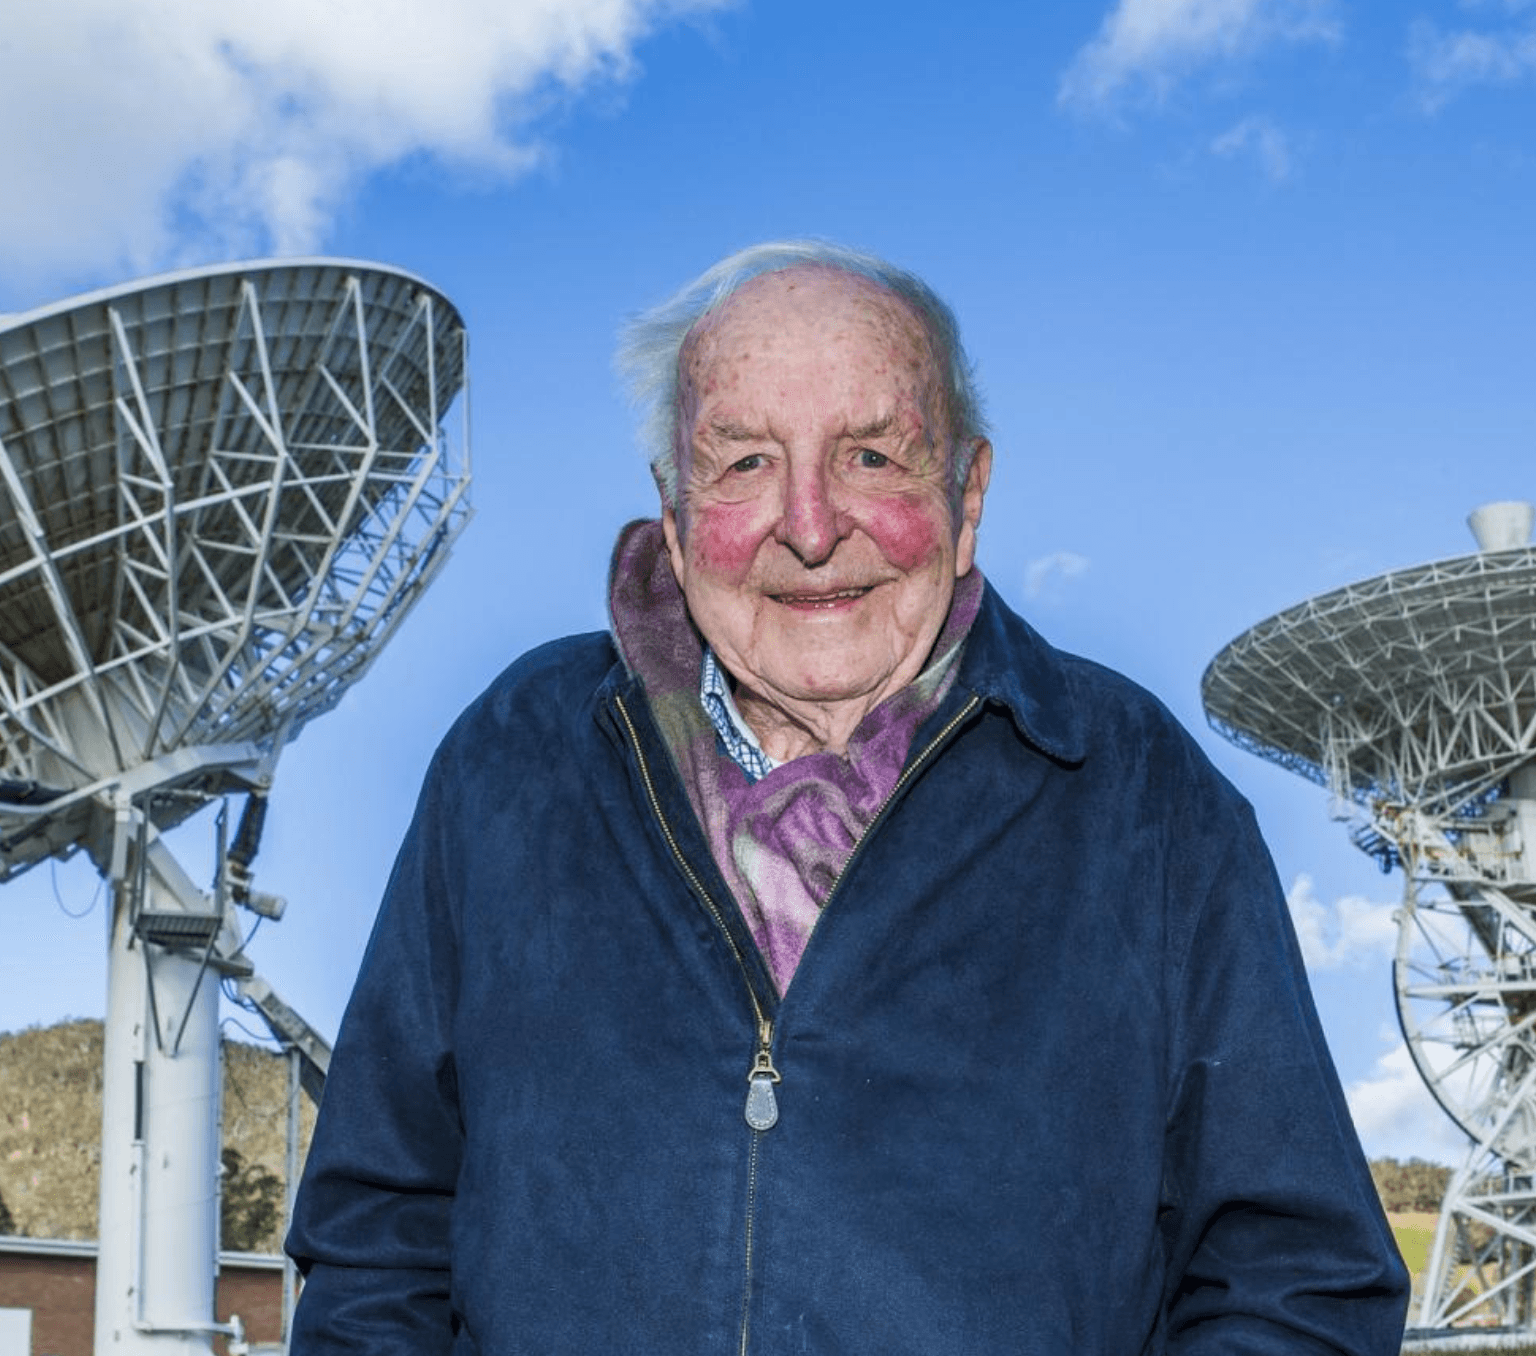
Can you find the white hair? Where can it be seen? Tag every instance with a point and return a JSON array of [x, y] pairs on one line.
[[651, 348]]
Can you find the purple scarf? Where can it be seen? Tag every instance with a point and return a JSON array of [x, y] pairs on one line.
[[781, 842]]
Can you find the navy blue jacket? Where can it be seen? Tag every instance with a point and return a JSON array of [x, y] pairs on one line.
[[1049, 1076]]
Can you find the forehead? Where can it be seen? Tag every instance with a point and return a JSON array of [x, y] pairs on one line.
[[809, 319]]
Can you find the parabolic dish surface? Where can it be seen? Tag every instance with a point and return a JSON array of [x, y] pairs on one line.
[[219, 492], [1408, 685]]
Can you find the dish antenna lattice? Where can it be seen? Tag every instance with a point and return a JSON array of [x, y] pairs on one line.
[[220, 492], [1412, 698]]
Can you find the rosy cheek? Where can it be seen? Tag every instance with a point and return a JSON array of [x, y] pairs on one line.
[[723, 539], [908, 531]]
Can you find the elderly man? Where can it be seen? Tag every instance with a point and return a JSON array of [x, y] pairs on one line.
[[821, 963]]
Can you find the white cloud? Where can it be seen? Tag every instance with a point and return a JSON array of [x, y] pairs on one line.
[[1353, 931], [162, 130], [1445, 63], [1040, 574], [1147, 46], [1261, 138], [1396, 1117]]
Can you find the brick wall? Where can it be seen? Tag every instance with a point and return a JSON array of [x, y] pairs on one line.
[[257, 1296], [61, 1293]]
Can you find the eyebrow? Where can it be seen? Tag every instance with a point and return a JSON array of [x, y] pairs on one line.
[[877, 428], [736, 433], [727, 430]]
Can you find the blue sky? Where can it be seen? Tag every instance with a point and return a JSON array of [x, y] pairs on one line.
[[1249, 284]]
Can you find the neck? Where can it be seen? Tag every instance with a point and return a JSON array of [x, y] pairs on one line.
[[788, 728]]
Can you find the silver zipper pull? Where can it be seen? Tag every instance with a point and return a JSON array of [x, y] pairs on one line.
[[762, 1104]]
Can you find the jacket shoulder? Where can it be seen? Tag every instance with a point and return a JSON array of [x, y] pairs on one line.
[[535, 703], [1131, 730], [1115, 707], [1078, 711]]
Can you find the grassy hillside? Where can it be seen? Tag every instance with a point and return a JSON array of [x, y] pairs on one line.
[[50, 1129]]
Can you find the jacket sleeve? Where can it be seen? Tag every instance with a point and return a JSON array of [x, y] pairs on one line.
[[1275, 1237], [372, 1219]]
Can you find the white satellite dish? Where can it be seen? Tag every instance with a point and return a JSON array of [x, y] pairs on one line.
[[220, 492], [1412, 697]]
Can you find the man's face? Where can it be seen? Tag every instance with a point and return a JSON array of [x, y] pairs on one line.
[[815, 541]]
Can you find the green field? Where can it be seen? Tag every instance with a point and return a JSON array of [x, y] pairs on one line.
[[1415, 1232]]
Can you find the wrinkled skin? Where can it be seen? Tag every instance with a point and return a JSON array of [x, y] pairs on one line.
[[817, 540]]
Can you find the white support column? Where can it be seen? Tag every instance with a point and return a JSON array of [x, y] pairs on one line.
[[158, 1254], [181, 1222], [121, 1241]]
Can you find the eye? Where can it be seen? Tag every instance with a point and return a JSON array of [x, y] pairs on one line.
[[871, 460], [750, 463]]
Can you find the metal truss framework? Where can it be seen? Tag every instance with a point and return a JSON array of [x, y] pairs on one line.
[[1411, 685], [1412, 698], [218, 497], [220, 493]]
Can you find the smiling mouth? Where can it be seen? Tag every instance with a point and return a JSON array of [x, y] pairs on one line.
[[816, 602]]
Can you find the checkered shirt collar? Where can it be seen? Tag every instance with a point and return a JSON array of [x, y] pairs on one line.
[[739, 741]]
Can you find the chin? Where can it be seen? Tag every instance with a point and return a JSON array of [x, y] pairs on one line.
[[841, 686]]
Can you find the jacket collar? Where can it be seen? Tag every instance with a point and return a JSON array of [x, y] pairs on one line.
[[1008, 662]]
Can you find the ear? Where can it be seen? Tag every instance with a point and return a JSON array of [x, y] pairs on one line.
[[976, 481], [674, 538]]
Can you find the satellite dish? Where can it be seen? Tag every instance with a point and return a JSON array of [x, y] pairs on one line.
[[220, 492], [1412, 697]]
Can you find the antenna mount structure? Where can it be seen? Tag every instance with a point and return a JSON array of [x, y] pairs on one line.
[[220, 492], [1412, 698]]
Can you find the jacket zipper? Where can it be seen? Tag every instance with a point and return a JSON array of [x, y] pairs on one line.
[[762, 1109], [906, 773]]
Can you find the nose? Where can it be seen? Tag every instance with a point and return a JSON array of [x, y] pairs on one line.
[[812, 524]]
